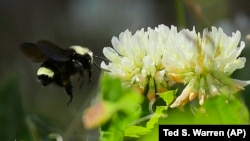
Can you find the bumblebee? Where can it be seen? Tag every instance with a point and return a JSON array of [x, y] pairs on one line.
[[58, 64]]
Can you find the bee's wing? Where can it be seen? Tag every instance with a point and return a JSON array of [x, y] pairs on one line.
[[53, 51], [32, 52]]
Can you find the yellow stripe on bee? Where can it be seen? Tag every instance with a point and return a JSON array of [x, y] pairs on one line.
[[45, 71], [82, 51]]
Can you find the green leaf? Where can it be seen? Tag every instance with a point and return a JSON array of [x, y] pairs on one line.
[[127, 105], [112, 135], [111, 89], [168, 96], [222, 109], [136, 131], [130, 103], [157, 114]]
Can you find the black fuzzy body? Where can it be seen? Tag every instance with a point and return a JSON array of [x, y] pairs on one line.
[[62, 62]]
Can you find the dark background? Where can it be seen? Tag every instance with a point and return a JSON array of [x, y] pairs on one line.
[[29, 111]]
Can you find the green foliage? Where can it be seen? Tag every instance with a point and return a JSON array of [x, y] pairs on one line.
[[119, 111], [127, 120], [222, 110], [137, 131], [12, 115], [168, 96], [125, 106], [111, 89]]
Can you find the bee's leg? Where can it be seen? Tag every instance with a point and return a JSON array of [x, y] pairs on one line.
[[68, 89], [90, 74], [81, 77], [79, 68]]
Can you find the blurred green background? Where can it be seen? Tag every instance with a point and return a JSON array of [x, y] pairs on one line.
[[30, 112]]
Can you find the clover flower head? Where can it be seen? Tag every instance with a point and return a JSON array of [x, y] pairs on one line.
[[202, 62], [137, 57]]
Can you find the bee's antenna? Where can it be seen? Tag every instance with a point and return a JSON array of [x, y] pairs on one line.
[[97, 66], [102, 58]]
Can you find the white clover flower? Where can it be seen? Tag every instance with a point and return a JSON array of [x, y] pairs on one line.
[[137, 57], [203, 63]]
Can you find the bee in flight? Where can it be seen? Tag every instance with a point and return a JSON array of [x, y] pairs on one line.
[[59, 64]]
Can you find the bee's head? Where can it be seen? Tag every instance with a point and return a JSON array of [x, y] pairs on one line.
[[83, 52]]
